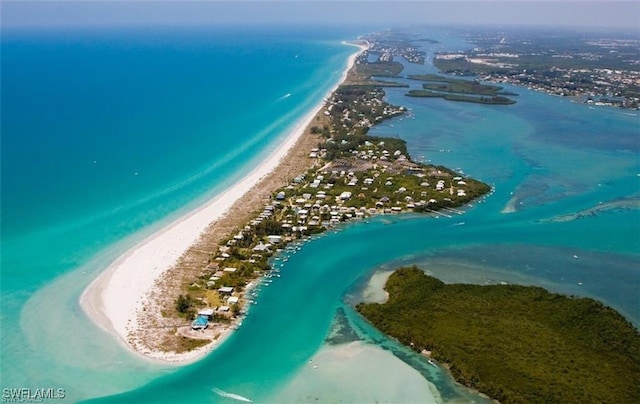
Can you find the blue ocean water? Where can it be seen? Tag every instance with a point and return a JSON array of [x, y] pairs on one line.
[[108, 134], [564, 213]]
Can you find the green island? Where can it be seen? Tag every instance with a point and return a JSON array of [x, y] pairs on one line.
[[363, 72], [460, 90], [351, 176], [514, 343]]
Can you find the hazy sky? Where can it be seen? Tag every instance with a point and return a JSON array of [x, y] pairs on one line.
[[599, 13]]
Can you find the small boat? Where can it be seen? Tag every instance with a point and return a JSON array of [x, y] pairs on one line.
[[238, 397], [432, 363]]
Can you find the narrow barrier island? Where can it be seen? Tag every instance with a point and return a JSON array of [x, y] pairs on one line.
[[350, 175], [517, 344]]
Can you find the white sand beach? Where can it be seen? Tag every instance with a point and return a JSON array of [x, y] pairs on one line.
[[374, 290], [115, 297]]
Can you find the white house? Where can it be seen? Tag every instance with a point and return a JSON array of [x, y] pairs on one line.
[[260, 247]]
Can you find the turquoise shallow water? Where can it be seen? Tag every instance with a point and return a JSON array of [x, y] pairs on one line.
[[109, 134], [551, 163]]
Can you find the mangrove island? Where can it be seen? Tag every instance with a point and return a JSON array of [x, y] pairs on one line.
[[514, 343]]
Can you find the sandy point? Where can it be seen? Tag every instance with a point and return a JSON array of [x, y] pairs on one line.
[[116, 298]]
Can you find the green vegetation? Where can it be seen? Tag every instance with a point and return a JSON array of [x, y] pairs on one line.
[[495, 100], [381, 69], [460, 90], [463, 67], [355, 176], [467, 87], [374, 84], [460, 86], [183, 303], [429, 77], [514, 343], [351, 175], [363, 72], [189, 344], [424, 94]]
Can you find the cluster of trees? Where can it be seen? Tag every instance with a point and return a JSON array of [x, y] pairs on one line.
[[461, 86], [460, 90], [496, 100], [184, 306], [515, 343]]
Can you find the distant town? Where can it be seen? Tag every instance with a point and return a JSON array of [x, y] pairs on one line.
[[387, 45], [595, 68]]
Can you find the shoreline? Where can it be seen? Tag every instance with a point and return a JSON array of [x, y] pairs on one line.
[[116, 298]]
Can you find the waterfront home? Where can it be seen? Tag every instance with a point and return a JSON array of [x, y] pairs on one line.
[[200, 323], [206, 313], [261, 247], [225, 290]]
